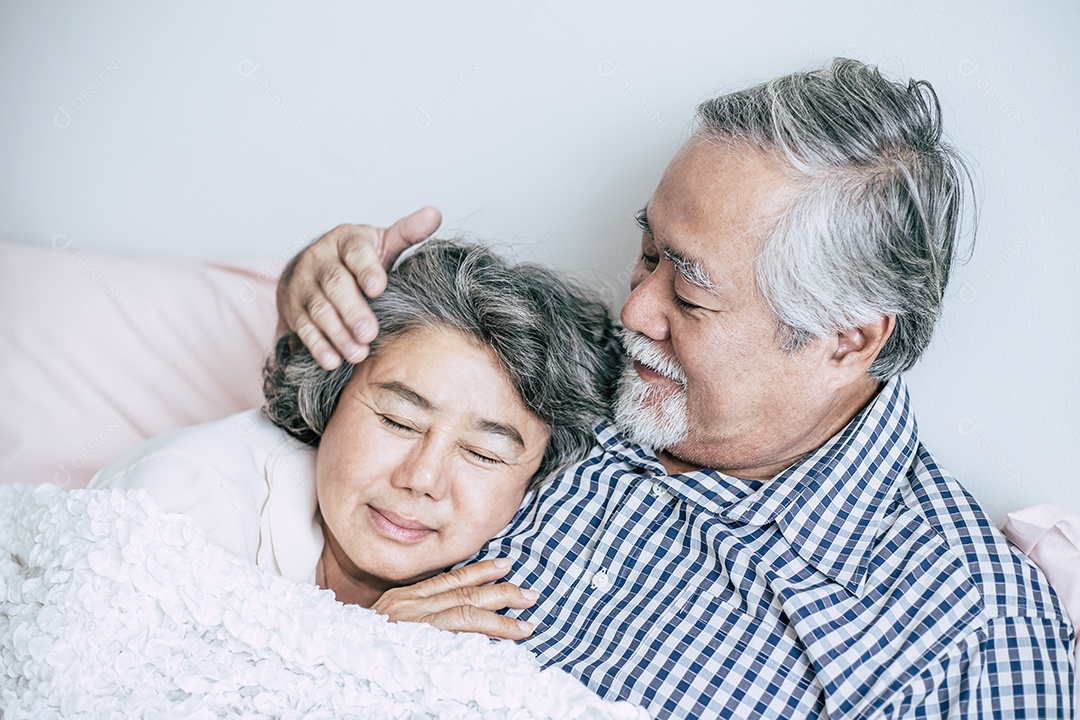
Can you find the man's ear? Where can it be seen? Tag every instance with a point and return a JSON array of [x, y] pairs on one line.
[[857, 348]]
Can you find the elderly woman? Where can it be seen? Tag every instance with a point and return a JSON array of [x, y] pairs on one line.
[[485, 379]]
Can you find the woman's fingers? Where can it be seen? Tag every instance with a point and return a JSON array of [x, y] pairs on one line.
[[460, 601], [464, 618], [471, 575], [399, 604], [485, 597], [408, 603]]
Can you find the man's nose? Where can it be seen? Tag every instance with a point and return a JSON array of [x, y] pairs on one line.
[[644, 311]]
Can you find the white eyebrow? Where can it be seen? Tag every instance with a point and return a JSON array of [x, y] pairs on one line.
[[692, 271]]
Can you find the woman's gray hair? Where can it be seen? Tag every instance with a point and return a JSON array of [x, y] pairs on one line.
[[879, 203], [554, 340]]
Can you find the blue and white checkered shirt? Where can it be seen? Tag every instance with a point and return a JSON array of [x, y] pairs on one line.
[[861, 582]]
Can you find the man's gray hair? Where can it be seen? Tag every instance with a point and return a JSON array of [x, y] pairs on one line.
[[879, 202], [554, 340]]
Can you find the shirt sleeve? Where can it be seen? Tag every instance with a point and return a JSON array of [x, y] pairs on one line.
[[1026, 670], [1014, 667], [180, 482]]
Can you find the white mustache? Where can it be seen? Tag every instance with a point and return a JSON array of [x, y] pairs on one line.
[[645, 351]]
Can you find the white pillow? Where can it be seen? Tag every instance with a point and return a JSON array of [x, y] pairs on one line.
[[100, 352]]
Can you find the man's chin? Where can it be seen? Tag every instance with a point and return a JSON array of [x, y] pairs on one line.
[[648, 416], [649, 427]]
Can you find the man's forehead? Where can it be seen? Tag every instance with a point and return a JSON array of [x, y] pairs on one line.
[[713, 209]]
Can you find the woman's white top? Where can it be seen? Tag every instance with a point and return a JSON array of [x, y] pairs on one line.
[[248, 483]]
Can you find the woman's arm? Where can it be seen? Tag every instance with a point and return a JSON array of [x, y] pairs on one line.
[[214, 472], [180, 482]]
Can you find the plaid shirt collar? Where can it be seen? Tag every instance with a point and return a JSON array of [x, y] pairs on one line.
[[829, 506]]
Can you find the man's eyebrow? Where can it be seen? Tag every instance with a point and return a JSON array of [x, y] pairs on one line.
[[642, 219], [497, 428], [407, 394], [692, 270]]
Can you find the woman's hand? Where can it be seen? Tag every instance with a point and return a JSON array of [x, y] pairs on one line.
[[321, 293], [459, 601]]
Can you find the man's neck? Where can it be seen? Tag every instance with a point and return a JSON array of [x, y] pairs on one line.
[[673, 465], [768, 468]]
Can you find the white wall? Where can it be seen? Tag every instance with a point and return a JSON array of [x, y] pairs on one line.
[[209, 130]]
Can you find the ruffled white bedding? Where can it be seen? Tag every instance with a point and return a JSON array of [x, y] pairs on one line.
[[111, 608]]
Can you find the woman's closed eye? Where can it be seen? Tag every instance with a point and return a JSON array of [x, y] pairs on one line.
[[395, 425], [482, 456]]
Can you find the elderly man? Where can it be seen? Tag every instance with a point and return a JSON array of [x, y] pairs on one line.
[[761, 533]]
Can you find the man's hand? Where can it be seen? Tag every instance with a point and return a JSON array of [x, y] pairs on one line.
[[319, 295], [459, 601]]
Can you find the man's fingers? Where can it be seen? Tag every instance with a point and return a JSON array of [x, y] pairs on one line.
[[315, 342], [477, 573], [465, 618], [350, 311], [324, 315], [320, 297], [369, 255], [360, 254], [409, 230]]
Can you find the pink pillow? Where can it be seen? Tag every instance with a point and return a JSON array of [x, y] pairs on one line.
[[1050, 536], [100, 352]]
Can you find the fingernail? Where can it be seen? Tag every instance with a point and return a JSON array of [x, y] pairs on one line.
[[503, 563], [364, 331], [354, 352], [328, 360], [368, 283], [525, 627], [530, 594]]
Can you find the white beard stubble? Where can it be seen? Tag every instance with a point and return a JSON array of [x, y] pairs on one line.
[[655, 418]]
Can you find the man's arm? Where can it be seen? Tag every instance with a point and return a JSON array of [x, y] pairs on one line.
[[321, 293], [1015, 666], [1027, 669]]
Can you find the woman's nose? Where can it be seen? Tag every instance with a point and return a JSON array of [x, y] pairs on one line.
[[423, 470]]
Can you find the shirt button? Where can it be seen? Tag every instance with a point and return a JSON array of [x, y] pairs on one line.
[[600, 580], [658, 490]]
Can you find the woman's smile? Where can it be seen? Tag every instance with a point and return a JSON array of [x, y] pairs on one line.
[[397, 527]]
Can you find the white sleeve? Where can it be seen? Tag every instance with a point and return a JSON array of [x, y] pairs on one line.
[[183, 482]]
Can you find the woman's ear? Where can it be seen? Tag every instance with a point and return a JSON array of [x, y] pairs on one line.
[[857, 348]]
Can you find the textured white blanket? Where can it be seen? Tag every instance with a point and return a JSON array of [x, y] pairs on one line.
[[111, 608]]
